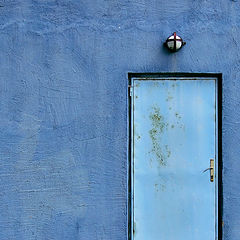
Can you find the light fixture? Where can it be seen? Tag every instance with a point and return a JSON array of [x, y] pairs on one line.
[[174, 42]]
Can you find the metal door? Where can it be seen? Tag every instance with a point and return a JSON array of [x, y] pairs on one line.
[[174, 162]]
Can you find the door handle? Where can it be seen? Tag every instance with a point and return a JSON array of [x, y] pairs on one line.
[[211, 168]]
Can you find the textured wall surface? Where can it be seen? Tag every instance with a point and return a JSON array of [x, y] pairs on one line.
[[63, 106]]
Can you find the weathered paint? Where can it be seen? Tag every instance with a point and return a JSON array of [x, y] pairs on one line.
[[63, 106], [173, 197]]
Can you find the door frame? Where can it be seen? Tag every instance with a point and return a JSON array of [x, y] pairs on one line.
[[177, 76]]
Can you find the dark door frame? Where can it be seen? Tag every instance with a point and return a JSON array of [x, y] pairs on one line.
[[148, 76]]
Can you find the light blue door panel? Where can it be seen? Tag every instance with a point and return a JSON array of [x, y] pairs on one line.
[[174, 138]]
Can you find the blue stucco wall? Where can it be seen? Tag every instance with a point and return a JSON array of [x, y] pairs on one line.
[[63, 106]]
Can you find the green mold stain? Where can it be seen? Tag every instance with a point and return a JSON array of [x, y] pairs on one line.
[[158, 127], [178, 115], [169, 98], [168, 152], [159, 187], [162, 187]]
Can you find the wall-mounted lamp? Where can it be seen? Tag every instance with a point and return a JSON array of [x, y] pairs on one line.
[[174, 42]]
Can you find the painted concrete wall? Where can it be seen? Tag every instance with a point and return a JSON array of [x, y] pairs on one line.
[[63, 106]]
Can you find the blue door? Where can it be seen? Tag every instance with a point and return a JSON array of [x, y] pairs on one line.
[[174, 159]]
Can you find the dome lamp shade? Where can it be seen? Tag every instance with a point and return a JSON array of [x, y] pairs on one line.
[[174, 42]]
